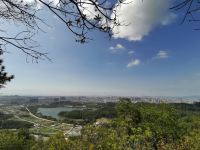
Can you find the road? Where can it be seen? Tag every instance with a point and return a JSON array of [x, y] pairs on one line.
[[23, 119], [31, 114]]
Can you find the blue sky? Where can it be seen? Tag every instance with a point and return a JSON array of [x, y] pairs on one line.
[[155, 59]]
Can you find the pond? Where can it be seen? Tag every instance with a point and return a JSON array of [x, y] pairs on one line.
[[53, 112]]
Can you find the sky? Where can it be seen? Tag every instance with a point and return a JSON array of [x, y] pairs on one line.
[[155, 55]]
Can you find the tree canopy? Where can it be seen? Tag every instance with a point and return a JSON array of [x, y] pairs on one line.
[[136, 126]]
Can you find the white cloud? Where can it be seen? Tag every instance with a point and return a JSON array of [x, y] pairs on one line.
[[37, 4], [90, 11], [116, 49], [133, 63], [162, 55], [54, 2], [131, 52], [140, 17]]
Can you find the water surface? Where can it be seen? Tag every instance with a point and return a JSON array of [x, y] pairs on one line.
[[53, 112]]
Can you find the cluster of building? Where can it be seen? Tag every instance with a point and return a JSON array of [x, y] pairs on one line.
[[97, 99]]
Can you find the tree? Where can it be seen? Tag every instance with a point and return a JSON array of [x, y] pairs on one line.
[[9, 141], [127, 112], [79, 16], [4, 77], [57, 142], [192, 8]]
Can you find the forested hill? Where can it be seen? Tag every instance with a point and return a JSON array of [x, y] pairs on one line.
[[132, 126]]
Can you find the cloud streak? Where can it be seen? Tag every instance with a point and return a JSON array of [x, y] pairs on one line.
[[162, 55]]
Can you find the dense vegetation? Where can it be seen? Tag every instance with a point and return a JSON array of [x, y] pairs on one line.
[[140, 126], [6, 122], [85, 113], [106, 110]]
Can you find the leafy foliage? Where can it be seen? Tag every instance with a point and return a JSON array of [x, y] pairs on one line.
[[136, 126], [4, 77], [90, 115], [13, 124]]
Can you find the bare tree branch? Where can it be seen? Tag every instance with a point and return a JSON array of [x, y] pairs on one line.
[[79, 16], [190, 8]]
